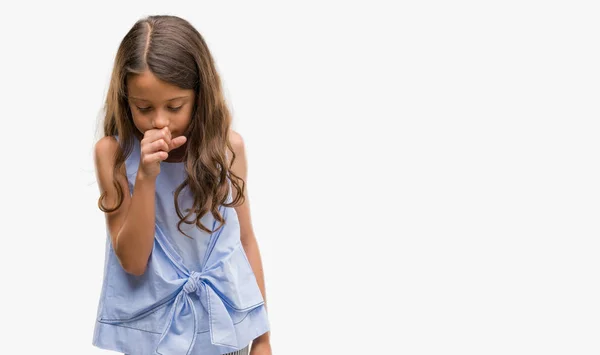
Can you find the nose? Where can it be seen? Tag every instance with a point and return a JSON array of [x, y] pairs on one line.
[[160, 121]]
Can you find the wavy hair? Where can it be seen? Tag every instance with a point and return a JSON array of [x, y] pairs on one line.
[[175, 52]]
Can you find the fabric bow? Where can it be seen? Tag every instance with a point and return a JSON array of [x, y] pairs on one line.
[[180, 333]]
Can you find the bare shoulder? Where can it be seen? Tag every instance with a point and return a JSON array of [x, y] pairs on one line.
[[237, 143], [236, 139], [104, 155], [105, 149], [240, 169], [239, 166], [104, 159]]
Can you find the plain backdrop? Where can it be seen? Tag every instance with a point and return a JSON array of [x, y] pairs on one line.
[[423, 175]]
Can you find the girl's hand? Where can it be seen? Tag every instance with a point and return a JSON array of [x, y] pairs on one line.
[[260, 348], [155, 147]]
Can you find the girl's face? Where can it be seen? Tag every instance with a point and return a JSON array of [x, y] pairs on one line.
[[156, 104]]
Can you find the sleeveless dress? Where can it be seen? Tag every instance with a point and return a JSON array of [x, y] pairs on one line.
[[197, 296]]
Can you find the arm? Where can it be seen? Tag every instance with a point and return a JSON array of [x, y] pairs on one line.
[[248, 239], [131, 226]]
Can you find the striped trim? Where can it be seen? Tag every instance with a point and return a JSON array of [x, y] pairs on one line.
[[244, 351]]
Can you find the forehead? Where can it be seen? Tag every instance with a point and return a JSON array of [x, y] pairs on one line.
[[148, 87]]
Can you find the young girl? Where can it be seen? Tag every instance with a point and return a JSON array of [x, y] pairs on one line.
[[183, 273]]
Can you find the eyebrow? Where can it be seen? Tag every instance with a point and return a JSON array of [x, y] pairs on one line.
[[175, 98]]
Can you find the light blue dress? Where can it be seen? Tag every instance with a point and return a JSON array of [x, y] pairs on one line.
[[197, 296]]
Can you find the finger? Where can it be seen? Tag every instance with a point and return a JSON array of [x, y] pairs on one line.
[[156, 134], [156, 157], [150, 136], [178, 142], [159, 145], [167, 135]]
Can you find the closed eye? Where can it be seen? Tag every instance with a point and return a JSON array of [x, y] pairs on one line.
[[146, 109]]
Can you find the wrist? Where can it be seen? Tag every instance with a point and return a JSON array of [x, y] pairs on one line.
[[141, 176]]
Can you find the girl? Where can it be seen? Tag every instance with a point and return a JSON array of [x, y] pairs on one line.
[[183, 273]]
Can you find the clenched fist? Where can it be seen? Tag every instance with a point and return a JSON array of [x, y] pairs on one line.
[[155, 147]]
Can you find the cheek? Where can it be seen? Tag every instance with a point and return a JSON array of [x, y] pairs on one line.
[[184, 118], [138, 122], [141, 123]]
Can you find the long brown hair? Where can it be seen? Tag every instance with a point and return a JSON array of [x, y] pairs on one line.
[[175, 52]]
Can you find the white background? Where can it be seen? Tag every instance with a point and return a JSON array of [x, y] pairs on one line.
[[423, 175]]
